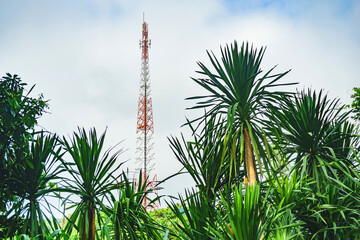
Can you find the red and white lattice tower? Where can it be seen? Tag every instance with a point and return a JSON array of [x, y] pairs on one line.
[[145, 123]]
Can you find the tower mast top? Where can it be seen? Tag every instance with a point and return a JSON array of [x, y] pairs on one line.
[[145, 42]]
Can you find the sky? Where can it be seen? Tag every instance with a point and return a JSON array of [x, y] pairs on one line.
[[84, 57]]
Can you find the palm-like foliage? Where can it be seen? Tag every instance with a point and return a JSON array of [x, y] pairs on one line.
[[242, 214], [286, 189], [238, 89], [287, 227], [318, 200], [340, 203], [207, 157], [343, 140], [34, 182], [129, 217], [247, 215], [329, 213], [196, 212], [313, 127], [93, 178]]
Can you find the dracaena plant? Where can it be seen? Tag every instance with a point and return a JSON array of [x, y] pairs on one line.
[[129, 217], [314, 133], [207, 157], [35, 181], [238, 88], [94, 174], [247, 214], [195, 213]]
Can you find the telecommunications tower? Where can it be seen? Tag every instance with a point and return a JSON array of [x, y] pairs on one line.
[[145, 123]]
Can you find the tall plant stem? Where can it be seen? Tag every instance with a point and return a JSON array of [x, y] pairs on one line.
[[83, 234], [92, 222], [249, 158], [117, 231]]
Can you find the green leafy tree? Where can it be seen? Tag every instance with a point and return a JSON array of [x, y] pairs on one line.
[[18, 117], [312, 133], [247, 215], [195, 213], [206, 157], [129, 217], [93, 177], [308, 146], [331, 212], [238, 88], [231, 132], [34, 182]]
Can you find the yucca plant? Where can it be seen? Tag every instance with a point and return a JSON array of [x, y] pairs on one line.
[[339, 203], [196, 212], [94, 175], [206, 157], [35, 181], [329, 213], [130, 219], [287, 227], [287, 189], [312, 129], [247, 216], [343, 140], [238, 89]]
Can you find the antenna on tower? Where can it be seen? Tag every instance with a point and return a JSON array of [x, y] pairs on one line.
[[145, 123]]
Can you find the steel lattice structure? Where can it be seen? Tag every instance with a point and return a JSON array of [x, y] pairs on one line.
[[145, 123]]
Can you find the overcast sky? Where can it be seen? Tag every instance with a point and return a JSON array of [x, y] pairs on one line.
[[84, 56]]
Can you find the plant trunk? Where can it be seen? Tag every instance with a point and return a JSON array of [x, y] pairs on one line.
[[90, 235], [249, 158], [92, 222], [83, 234], [250, 163], [117, 231]]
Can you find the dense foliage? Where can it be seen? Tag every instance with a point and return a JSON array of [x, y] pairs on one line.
[[307, 151], [267, 164], [18, 116]]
